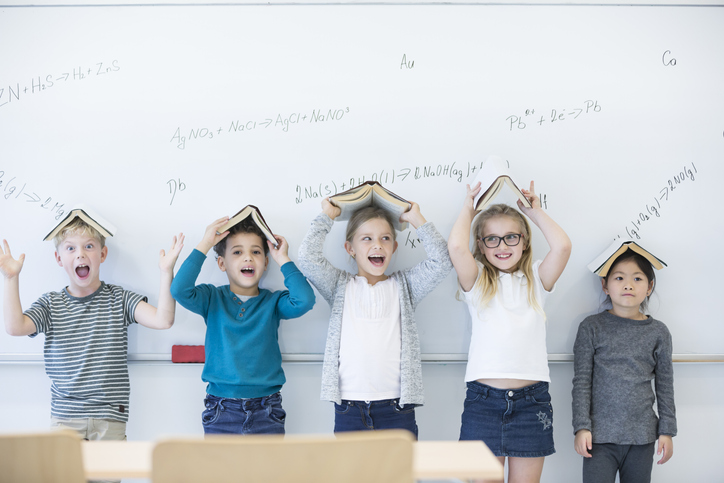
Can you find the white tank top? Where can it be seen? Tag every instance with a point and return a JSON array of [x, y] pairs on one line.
[[369, 353]]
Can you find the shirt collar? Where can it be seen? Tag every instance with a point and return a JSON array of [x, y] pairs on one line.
[[517, 274]]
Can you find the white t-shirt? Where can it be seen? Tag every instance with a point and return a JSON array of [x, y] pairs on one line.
[[508, 337], [369, 353]]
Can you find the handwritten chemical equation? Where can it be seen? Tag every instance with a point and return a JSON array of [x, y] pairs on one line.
[[520, 122], [12, 189], [651, 211], [386, 178], [282, 122], [174, 186], [42, 83]]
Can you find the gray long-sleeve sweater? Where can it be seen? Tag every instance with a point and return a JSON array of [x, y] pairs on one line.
[[615, 360], [414, 284]]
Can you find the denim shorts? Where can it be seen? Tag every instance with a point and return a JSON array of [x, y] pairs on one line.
[[371, 415], [511, 422], [259, 415]]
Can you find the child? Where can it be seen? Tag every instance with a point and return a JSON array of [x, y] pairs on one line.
[[85, 327], [617, 353], [243, 366], [507, 373], [372, 369]]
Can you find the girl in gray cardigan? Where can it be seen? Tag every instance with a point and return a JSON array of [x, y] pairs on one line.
[[372, 370]]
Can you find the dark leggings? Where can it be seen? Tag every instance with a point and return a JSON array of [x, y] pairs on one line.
[[632, 462]]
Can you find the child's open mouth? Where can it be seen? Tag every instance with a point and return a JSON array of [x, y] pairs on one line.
[[247, 271], [377, 260], [503, 256], [82, 271]]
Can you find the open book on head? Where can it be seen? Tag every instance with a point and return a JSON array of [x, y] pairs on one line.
[[602, 264], [253, 212], [371, 193], [492, 177], [89, 216]]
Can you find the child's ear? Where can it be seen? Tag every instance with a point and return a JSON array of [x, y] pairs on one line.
[[348, 247], [651, 288], [104, 253], [58, 259], [603, 285], [395, 249], [266, 262], [220, 262]]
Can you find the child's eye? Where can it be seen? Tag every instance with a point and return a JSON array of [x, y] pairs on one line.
[[236, 252], [257, 252], [89, 247], [70, 249]]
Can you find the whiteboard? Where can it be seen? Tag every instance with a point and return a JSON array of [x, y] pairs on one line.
[[164, 118]]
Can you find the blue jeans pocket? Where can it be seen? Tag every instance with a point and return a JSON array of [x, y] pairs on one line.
[[406, 409], [276, 413], [212, 411], [341, 408]]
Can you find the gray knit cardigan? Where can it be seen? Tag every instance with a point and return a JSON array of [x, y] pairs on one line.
[[414, 284]]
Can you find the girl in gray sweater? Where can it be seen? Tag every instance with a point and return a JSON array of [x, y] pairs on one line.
[[616, 355]]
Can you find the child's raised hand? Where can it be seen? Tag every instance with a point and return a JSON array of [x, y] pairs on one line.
[[583, 443], [10, 267], [413, 216], [280, 254], [167, 262], [329, 209], [470, 196], [666, 444], [532, 198], [211, 237]]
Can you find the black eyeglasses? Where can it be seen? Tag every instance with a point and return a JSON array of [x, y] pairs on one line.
[[494, 241]]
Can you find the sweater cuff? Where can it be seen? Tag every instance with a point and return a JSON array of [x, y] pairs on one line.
[[425, 229], [289, 268]]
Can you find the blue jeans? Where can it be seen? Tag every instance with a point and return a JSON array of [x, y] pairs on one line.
[[371, 415], [511, 422], [259, 415]]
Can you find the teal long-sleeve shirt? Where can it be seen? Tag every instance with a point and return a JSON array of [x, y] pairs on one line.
[[243, 359]]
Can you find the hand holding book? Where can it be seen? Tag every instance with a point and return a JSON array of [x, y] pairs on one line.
[[280, 253], [212, 236]]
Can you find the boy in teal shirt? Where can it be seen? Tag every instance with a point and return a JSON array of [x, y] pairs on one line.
[[243, 366]]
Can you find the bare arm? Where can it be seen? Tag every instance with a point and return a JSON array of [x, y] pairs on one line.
[[458, 243], [560, 245], [16, 323], [163, 316]]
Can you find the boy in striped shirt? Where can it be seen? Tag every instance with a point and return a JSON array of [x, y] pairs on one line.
[[85, 327]]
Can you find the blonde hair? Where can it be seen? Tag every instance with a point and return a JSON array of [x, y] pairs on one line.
[[363, 215], [78, 227], [486, 286]]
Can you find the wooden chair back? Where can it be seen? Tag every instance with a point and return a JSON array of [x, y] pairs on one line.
[[369, 457], [53, 457]]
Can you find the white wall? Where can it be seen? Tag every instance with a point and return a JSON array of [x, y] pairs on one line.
[[167, 399]]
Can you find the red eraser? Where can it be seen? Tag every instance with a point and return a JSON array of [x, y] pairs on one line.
[[188, 353]]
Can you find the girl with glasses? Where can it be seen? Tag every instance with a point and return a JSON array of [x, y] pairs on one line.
[[507, 403]]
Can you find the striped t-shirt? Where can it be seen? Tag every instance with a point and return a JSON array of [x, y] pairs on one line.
[[86, 346]]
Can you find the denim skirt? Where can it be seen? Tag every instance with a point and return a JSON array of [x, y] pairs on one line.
[[511, 422]]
